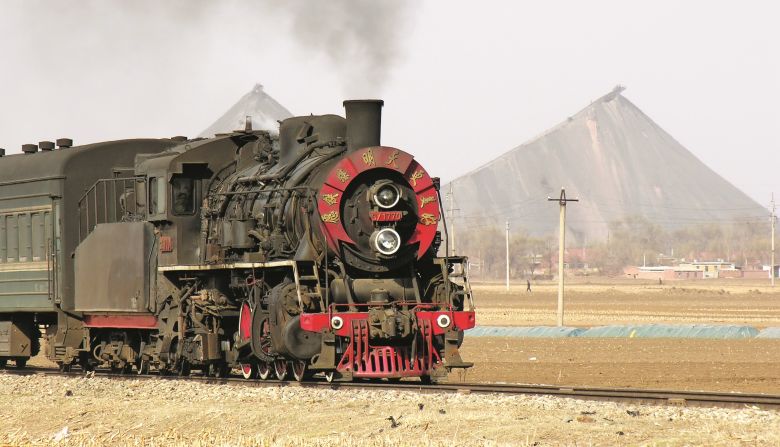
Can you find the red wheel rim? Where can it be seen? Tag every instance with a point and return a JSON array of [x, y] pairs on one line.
[[280, 368], [299, 369], [245, 322], [265, 337], [246, 370], [263, 370]]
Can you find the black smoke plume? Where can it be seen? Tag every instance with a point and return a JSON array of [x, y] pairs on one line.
[[362, 39]]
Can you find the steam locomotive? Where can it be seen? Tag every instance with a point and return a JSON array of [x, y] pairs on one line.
[[310, 252]]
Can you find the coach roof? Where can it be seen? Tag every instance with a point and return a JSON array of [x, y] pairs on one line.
[[60, 162]]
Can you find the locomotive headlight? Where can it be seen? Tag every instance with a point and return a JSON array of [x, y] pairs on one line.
[[387, 196], [386, 241], [443, 321]]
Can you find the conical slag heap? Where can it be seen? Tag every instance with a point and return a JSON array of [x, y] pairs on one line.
[[612, 156], [264, 110]]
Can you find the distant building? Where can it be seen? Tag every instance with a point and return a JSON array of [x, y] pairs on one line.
[[575, 258], [654, 272], [709, 269], [766, 268], [688, 274], [686, 270]]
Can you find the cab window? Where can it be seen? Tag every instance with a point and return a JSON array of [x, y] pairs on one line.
[[183, 192], [156, 196]]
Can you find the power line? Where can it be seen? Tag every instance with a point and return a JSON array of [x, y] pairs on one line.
[[617, 205], [480, 221]]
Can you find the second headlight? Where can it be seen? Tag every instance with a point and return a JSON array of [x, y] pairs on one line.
[[386, 241]]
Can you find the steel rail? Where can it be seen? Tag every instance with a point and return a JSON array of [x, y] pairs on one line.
[[632, 395]]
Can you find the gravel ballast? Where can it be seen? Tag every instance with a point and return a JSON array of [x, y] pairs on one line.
[[46, 410]]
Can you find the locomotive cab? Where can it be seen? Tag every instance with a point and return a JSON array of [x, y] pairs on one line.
[[156, 223], [173, 185]]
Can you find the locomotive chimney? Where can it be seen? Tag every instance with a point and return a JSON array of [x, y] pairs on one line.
[[2, 152], [364, 122]]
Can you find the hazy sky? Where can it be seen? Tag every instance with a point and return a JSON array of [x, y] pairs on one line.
[[463, 82]]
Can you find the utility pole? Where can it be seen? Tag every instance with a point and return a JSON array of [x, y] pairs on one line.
[[562, 200], [507, 255], [772, 266], [451, 198]]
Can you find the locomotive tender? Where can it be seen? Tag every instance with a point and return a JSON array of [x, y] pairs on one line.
[[312, 252]]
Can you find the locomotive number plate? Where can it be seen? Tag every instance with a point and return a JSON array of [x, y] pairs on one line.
[[386, 216]]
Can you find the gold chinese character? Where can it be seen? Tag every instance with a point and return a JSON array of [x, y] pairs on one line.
[[368, 158], [393, 159], [331, 217], [428, 219], [424, 200], [342, 175], [330, 199], [416, 176]]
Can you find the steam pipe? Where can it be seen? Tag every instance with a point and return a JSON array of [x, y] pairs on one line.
[[287, 169]]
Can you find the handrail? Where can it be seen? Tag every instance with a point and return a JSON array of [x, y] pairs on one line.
[[95, 208]]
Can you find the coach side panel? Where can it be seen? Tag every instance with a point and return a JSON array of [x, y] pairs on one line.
[[28, 245]]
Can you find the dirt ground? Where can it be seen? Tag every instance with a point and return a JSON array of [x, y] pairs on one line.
[[594, 302], [44, 411], [690, 364]]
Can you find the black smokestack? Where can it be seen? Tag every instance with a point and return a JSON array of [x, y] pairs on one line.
[[364, 123]]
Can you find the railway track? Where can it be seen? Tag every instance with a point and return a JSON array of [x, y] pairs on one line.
[[638, 396]]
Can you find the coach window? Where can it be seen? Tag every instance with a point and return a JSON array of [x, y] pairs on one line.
[[183, 192], [156, 196]]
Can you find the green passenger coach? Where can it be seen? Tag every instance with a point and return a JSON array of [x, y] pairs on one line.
[[40, 191]]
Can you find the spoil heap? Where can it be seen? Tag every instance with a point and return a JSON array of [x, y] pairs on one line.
[[264, 110], [616, 160]]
